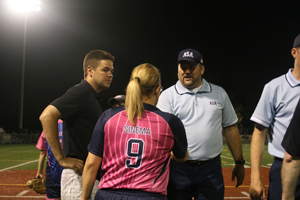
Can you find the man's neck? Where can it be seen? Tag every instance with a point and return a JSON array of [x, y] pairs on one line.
[[296, 72], [90, 81]]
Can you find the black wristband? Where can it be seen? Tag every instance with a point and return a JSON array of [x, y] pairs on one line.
[[241, 162]]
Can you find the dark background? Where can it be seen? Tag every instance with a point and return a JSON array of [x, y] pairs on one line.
[[245, 44]]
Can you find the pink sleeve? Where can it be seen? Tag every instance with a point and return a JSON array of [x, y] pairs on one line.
[[41, 144]]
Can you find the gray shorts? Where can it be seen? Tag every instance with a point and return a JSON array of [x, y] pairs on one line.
[[71, 185]]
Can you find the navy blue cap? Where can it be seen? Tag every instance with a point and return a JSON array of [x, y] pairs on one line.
[[119, 98], [190, 55], [297, 41]]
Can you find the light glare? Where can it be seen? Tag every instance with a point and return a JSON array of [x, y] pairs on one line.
[[25, 5]]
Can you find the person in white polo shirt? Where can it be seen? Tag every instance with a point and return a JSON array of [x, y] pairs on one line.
[[204, 109], [273, 113]]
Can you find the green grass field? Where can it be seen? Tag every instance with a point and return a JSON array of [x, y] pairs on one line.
[[18, 154], [227, 160]]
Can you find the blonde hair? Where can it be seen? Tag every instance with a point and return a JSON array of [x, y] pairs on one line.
[[144, 79]]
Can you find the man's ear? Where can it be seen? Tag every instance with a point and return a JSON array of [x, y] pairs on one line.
[[90, 70], [202, 69], [294, 52]]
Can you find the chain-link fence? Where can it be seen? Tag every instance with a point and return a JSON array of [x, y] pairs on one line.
[[19, 138], [245, 134]]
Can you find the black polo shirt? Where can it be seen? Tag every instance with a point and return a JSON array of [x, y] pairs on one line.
[[80, 108], [291, 139]]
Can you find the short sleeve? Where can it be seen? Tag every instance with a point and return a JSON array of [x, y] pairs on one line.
[[41, 144], [71, 102], [228, 115], [180, 141], [164, 103], [96, 145], [264, 110]]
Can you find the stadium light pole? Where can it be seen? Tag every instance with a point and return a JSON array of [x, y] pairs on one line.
[[24, 6]]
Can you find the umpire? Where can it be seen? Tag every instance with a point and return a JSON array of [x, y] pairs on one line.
[[204, 109]]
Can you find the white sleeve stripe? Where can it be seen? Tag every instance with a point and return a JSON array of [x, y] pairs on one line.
[[256, 120]]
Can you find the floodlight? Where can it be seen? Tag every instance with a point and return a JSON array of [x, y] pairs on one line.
[[25, 5]]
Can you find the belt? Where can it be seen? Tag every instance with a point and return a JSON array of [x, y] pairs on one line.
[[199, 162], [276, 158]]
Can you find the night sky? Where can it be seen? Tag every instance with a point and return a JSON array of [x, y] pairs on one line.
[[244, 45]]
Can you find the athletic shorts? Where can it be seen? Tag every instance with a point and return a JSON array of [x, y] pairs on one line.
[[52, 193], [127, 194], [71, 185]]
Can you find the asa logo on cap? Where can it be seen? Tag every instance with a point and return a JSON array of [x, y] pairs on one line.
[[188, 54]]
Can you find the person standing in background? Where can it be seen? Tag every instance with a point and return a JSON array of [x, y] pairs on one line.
[[117, 101], [80, 109], [291, 163], [204, 109], [134, 144], [53, 170], [273, 114]]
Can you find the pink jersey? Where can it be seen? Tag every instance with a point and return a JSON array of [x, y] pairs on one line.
[[41, 144], [137, 157]]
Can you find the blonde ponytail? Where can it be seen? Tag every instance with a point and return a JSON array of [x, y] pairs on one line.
[[144, 79]]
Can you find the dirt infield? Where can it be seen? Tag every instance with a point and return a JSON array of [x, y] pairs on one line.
[[242, 191], [13, 184]]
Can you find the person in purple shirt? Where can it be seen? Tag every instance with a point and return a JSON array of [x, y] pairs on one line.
[[135, 143]]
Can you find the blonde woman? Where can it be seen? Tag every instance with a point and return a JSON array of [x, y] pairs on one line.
[[134, 143]]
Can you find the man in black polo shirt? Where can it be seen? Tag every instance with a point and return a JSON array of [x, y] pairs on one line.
[[80, 109]]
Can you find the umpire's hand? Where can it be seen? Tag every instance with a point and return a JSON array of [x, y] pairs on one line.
[[257, 190], [238, 172], [72, 163]]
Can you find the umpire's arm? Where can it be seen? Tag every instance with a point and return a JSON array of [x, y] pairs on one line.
[[231, 133]]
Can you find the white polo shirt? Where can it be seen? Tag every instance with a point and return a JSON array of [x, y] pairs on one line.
[[275, 109], [203, 115]]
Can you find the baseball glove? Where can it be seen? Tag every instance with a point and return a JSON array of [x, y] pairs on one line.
[[29, 184], [38, 186]]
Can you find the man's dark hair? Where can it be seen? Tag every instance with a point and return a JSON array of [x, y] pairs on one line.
[[93, 57]]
